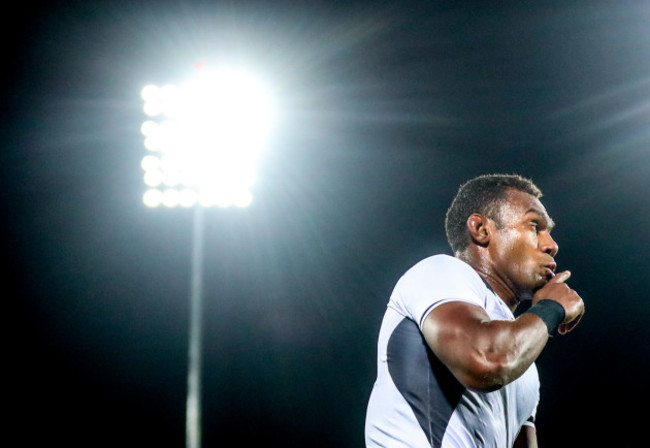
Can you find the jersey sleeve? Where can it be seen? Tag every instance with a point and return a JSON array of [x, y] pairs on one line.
[[434, 281], [529, 422]]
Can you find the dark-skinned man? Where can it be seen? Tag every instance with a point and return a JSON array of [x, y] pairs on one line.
[[455, 368]]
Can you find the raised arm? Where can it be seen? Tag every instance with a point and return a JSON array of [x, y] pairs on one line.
[[485, 354]]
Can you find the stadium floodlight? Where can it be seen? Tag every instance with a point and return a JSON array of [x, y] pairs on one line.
[[203, 140]]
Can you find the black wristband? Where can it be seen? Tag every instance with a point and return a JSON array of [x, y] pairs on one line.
[[551, 312]]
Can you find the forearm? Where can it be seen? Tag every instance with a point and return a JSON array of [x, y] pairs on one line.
[[527, 438]]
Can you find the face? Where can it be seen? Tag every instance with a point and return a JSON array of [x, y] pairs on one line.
[[521, 247]]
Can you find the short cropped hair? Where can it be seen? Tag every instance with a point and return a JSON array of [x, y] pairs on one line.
[[483, 195]]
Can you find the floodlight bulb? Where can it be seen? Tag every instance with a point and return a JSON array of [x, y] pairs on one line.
[[150, 163], [150, 92], [152, 198], [153, 143], [149, 128], [188, 198], [171, 178], [223, 201], [153, 178], [205, 200], [171, 198]]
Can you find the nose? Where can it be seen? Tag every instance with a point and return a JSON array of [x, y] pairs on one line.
[[547, 244]]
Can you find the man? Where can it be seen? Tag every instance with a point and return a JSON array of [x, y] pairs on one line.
[[455, 368]]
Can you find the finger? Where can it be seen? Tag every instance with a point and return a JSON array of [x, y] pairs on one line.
[[566, 327], [561, 277]]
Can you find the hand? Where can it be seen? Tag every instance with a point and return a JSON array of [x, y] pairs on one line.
[[557, 289]]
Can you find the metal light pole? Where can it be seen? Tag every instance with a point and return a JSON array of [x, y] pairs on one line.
[[193, 413], [203, 140]]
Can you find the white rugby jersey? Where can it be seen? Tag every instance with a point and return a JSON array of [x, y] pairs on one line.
[[416, 401]]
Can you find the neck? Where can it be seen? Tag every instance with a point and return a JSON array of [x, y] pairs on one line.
[[500, 287]]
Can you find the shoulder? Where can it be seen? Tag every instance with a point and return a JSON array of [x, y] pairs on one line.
[[442, 268], [433, 281]]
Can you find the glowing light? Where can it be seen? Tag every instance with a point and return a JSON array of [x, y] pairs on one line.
[[152, 198], [188, 198], [153, 178], [171, 198], [150, 163], [209, 134]]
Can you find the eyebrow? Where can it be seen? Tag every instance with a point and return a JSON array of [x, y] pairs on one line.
[[550, 224]]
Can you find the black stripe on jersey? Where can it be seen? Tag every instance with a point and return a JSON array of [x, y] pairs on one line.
[[424, 381]]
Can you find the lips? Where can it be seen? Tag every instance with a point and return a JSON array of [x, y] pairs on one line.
[[550, 270]]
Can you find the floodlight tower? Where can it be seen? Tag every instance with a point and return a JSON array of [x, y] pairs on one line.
[[203, 140]]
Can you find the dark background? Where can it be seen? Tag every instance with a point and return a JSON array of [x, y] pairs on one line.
[[383, 110]]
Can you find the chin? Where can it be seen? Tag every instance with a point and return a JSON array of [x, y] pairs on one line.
[[542, 281], [530, 292]]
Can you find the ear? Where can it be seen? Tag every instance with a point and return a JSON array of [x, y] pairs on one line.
[[477, 226]]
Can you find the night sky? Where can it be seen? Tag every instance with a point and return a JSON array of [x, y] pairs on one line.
[[382, 110]]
